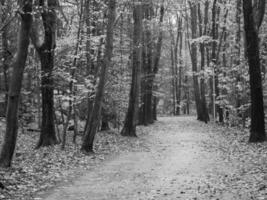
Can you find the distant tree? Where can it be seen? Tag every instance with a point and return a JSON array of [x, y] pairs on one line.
[[10, 138]]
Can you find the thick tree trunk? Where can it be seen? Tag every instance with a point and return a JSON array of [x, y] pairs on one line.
[[87, 145], [130, 123], [46, 55], [48, 134], [5, 53], [147, 69], [204, 109], [10, 137], [257, 131], [193, 9]]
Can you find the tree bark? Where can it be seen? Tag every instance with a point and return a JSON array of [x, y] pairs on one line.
[[46, 55], [202, 31], [10, 137], [193, 9], [180, 63], [151, 59], [257, 130], [173, 75], [148, 67], [130, 123], [87, 145], [5, 53], [238, 50]]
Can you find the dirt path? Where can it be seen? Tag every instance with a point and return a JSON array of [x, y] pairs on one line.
[[177, 166]]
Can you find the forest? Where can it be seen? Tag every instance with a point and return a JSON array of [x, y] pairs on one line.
[[85, 82]]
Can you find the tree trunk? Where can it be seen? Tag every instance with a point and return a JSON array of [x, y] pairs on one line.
[[156, 60], [130, 123], [5, 53], [73, 69], [46, 55], [147, 81], [179, 88], [257, 131], [238, 50], [150, 63], [48, 134], [10, 137], [87, 145], [213, 57], [205, 114], [173, 76], [193, 9]]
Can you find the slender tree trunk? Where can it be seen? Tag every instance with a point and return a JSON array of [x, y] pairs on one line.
[[257, 131], [73, 69], [147, 81], [238, 50], [174, 80], [213, 56], [176, 43], [87, 145], [130, 123], [10, 137], [180, 68], [156, 60]]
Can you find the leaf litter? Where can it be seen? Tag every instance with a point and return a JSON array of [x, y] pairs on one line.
[[240, 167], [38, 170]]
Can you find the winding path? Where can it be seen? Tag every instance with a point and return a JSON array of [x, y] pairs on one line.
[[178, 165]]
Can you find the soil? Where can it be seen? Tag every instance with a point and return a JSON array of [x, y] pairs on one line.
[[180, 163]]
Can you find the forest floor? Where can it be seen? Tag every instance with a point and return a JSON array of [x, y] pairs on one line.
[[176, 158], [185, 159]]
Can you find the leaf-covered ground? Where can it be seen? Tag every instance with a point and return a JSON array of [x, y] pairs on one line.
[[176, 158], [186, 160], [34, 171]]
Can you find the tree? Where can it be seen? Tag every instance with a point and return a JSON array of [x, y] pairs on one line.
[[204, 116], [252, 20], [151, 57], [46, 52], [5, 53], [193, 53], [91, 129], [129, 128], [10, 138]]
